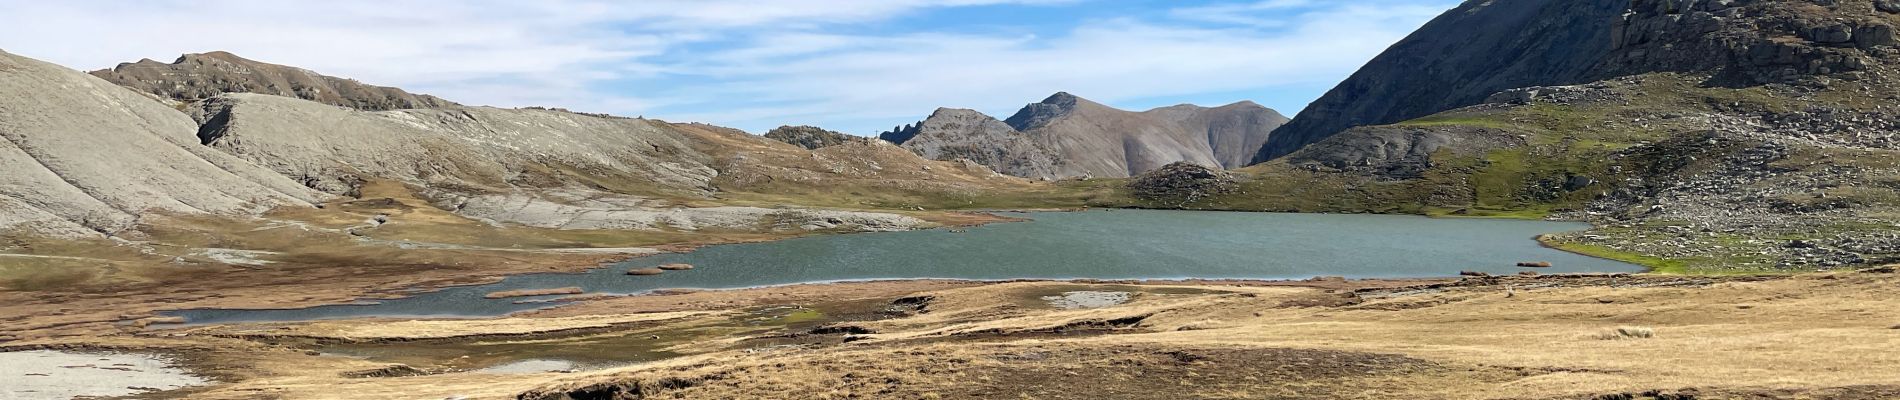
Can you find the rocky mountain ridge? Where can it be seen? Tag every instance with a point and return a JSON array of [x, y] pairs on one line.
[[83, 155], [1465, 55], [200, 76], [1696, 135], [102, 157], [1065, 136]]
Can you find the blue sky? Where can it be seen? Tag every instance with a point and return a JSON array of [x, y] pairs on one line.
[[858, 66]]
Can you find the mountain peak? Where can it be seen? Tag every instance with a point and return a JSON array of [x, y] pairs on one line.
[[1038, 114], [1061, 98], [215, 54]]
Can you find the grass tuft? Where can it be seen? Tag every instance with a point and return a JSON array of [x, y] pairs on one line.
[[1627, 333]]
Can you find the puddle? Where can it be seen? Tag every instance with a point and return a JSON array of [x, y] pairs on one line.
[[532, 367], [47, 374], [1087, 299]]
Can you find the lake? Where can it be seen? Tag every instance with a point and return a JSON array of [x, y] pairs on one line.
[[1117, 244]]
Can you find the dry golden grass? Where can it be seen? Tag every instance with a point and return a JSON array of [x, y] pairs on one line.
[[448, 328], [1773, 338]]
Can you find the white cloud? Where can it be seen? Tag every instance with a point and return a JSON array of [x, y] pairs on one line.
[[774, 62], [818, 77], [508, 53]]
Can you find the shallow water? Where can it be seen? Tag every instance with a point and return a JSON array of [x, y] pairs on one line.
[[1120, 244], [48, 374]]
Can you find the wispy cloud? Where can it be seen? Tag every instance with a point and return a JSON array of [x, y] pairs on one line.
[[749, 64]]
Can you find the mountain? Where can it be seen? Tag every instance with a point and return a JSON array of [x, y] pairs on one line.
[[955, 133], [87, 156], [200, 76], [82, 154], [1485, 47], [1067, 136], [1479, 48], [1708, 136]]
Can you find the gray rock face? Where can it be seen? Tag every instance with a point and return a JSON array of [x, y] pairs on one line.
[[1458, 59], [81, 154], [953, 133], [810, 137], [1067, 136], [1392, 152], [1484, 47], [196, 77], [333, 148]]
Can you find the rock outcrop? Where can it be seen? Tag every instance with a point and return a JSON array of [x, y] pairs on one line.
[[1485, 47], [1182, 183], [81, 154], [1067, 136], [955, 133], [202, 76], [810, 137]]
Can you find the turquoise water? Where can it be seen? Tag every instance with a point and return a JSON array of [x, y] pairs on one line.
[[1119, 244]]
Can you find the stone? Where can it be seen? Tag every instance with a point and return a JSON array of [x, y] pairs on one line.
[[1578, 182], [1832, 34], [1870, 36]]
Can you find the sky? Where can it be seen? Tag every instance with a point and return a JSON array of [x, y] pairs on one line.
[[858, 66]]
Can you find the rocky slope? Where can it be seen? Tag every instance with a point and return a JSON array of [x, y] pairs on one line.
[[1485, 47], [955, 133], [480, 148], [1458, 59], [239, 153], [1706, 136], [1067, 136], [201, 76], [82, 154]]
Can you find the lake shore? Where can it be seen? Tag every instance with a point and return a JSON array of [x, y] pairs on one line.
[[1120, 245]]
